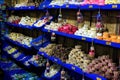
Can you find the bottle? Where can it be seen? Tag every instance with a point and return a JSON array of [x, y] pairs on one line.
[[62, 75], [53, 37], [47, 67], [79, 17], [92, 52]]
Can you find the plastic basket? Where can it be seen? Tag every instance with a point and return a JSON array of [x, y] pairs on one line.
[[40, 38]]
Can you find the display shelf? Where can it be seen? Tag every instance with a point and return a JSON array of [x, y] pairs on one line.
[[18, 25], [71, 67], [17, 43], [112, 44]]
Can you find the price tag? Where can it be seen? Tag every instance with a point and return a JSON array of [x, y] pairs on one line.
[[98, 78], [114, 6], [90, 6], [55, 60], [43, 54], [43, 6], [53, 5], [83, 38], [73, 68], [67, 6], [29, 7], [108, 43]]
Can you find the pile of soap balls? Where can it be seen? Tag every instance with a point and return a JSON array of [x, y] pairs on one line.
[[20, 38], [105, 67], [78, 58], [57, 51]]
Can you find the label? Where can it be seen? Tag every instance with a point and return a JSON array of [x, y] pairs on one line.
[[43, 5], [90, 6], [29, 7], [98, 78], [108, 43], [83, 38], [67, 6], [114, 6], [73, 68], [48, 30], [53, 6], [42, 54], [55, 60]]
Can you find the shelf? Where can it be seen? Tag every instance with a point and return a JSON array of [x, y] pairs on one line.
[[87, 7], [17, 43], [71, 67], [23, 8], [17, 25], [112, 44], [46, 3], [21, 58]]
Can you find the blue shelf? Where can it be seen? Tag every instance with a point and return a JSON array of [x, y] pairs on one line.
[[112, 44], [21, 58], [17, 43], [20, 26], [23, 8], [87, 7], [71, 67]]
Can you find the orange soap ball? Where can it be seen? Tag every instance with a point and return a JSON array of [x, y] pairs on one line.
[[118, 40], [114, 40], [99, 37], [114, 37]]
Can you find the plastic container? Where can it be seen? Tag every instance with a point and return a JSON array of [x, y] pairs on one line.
[[41, 40]]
